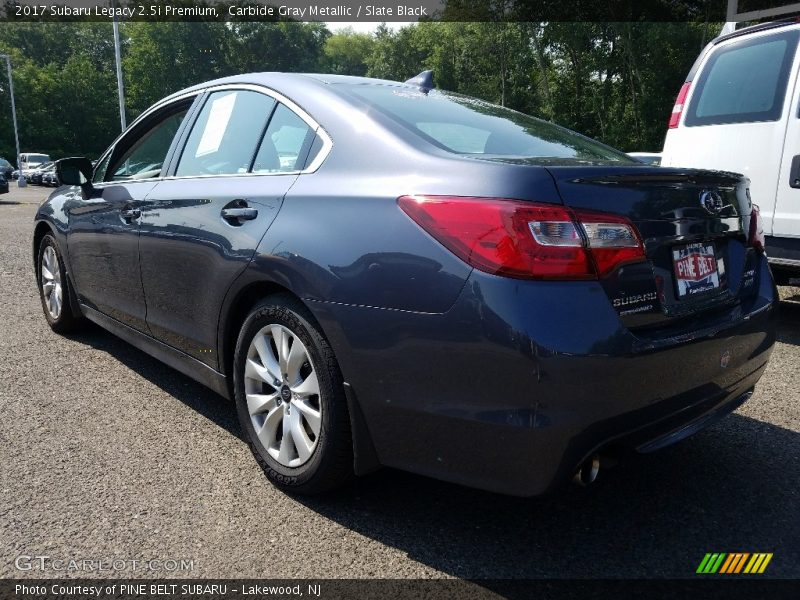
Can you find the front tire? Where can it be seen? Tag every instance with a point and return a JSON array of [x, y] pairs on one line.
[[54, 288], [290, 399]]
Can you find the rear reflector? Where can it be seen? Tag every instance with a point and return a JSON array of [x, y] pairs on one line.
[[526, 240], [680, 101]]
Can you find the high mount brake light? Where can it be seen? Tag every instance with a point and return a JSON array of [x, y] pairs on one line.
[[526, 240], [680, 103]]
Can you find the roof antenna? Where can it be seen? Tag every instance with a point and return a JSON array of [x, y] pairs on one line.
[[424, 81]]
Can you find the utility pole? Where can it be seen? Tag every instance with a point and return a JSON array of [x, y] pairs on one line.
[[120, 88], [20, 180]]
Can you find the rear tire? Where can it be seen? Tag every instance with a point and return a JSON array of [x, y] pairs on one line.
[[55, 291], [290, 399]]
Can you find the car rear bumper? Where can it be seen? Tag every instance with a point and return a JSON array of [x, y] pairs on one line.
[[519, 382]]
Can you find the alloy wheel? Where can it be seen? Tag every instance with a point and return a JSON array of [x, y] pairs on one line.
[[52, 290], [283, 396]]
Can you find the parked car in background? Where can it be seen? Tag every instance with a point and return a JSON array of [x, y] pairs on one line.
[[37, 174], [30, 161], [15, 174], [738, 111], [50, 178], [3, 184], [382, 273], [648, 158], [6, 169]]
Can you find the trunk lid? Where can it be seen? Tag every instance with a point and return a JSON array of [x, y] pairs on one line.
[[692, 223]]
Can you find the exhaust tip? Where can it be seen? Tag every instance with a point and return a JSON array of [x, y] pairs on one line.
[[588, 471]]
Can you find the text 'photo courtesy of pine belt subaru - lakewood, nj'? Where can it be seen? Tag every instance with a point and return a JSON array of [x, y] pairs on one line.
[[382, 273]]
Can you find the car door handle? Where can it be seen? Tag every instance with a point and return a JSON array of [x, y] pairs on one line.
[[236, 215], [794, 172], [130, 213]]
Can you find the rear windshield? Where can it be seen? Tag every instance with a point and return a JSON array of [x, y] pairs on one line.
[[744, 82], [467, 126]]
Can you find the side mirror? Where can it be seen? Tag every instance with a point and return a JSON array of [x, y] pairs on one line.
[[75, 171]]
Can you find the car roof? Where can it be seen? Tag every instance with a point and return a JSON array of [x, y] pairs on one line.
[[283, 81]]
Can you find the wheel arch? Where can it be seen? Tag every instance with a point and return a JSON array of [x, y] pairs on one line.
[[234, 315], [365, 458], [42, 229]]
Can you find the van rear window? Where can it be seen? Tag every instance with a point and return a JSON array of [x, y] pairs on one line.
[[744, 82]]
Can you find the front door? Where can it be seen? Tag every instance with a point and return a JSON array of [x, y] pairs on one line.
[[103, 239]]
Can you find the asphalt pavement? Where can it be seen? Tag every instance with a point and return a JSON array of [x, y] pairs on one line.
[[107, 455]]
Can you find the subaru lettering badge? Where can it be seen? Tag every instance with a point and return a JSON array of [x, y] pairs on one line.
[[711, 201]]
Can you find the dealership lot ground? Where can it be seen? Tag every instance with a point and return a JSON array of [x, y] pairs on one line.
[[108, 454]]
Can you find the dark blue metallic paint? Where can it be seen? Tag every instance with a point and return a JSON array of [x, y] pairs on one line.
[[488, 381], [181, 235]]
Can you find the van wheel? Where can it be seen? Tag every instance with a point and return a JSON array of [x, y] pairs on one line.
[[290, 399], [54, 288]]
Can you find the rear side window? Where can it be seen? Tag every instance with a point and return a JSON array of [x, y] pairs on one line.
[[468, 126], [285, 145], [225, 136], [744, 82]]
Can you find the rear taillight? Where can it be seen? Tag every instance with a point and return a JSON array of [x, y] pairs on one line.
[[755, 236], [612, 240], [677, 110], [526, 240]]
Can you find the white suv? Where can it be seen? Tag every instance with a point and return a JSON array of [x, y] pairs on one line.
[[739, 110]]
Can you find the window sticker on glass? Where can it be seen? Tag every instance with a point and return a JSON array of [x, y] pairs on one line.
[[221, 110]]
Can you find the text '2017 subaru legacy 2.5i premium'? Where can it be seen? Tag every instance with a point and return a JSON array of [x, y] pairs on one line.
[[383, 273]]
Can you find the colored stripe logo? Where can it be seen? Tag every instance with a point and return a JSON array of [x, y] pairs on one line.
[[734, 562]]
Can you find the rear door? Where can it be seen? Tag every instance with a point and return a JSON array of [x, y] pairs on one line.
[[201, 225], [737, 112]]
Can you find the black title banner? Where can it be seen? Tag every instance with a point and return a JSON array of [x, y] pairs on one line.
[[395, 589], [374, 10]]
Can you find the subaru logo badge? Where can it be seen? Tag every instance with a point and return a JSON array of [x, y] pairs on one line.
[[711, 201]]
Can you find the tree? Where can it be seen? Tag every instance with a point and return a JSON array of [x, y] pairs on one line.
[[613, 81], [347, 53]]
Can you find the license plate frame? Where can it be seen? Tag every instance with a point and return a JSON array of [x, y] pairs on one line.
[[696, 269]]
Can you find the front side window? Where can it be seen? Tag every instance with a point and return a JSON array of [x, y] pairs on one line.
[[744, 82], [101, 168], [226, 134], [285, 145], [145, 157]]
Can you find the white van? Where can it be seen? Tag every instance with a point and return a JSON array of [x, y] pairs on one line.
[[739, 110], [28, 161]]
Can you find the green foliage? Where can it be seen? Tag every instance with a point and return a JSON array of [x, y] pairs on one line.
[[347, 52], [612, 81]]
